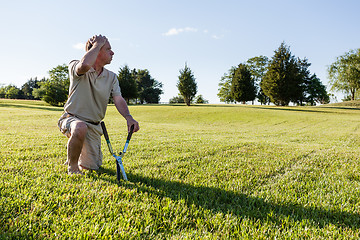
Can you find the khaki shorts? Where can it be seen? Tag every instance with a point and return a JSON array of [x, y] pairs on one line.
[[91, 155]]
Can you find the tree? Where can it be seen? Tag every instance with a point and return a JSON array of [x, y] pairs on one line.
[[29, 86], [225, 87], [127, 83], [60, 75], [316, 91], [201, 100], [282, 81], [10, 92], [13, 92], [149, 90], [55, 89], [258, 68], [304, 75], [242, 85], [312, 89], [2, 91], [187, 85], [52, 93], [344, 73], [177, 99]]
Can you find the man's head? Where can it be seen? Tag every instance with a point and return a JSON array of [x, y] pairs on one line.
[[105, 53]]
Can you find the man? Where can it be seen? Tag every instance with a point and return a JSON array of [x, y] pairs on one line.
[[90, 88]]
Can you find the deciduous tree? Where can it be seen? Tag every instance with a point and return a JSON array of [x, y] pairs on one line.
[[29, 87], [200, 99], [177, 99], [344, 73], [55, 89], [11, 92], [258, 67], [225, 87]]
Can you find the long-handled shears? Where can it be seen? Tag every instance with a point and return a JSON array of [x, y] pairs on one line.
[[119, 164]]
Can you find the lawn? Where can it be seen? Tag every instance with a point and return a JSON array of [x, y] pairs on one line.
[[199, 172]]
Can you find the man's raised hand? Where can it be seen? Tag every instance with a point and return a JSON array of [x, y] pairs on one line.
[[98, 40]]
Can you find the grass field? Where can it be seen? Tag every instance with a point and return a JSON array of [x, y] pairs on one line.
[[199, 172]]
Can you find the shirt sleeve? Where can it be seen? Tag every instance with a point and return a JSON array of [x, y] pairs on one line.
[[72, 69], [116, 91]]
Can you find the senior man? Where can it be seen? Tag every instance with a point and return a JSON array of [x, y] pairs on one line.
[[91, 86]]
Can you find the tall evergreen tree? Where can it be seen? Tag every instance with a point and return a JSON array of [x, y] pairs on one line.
[[187, 85], [282, 81], [304, 75], [242, 85], [149, 90], [316, 91], [127, 83]]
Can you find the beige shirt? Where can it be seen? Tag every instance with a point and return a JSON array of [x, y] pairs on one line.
[[89, 93]]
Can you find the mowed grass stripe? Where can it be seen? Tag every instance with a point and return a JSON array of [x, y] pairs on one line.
[[199, 172]]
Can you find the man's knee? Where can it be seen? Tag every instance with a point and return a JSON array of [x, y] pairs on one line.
[[79, 129]]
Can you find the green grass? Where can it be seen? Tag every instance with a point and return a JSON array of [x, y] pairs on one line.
[[199, 172]]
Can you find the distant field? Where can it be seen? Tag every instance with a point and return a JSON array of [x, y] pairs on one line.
[[199, 172]]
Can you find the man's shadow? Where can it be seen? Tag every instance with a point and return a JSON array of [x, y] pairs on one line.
[[240, 205]]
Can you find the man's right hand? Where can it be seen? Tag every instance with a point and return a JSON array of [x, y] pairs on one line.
[[98, 40]]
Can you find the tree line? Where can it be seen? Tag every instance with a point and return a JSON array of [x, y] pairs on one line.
[[136, 85], [25, 92], [141, 87], [279, 80]]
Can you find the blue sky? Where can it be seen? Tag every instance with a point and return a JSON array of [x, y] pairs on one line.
[[161, 36]]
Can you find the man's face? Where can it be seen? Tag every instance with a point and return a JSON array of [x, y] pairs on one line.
[[106, 54]]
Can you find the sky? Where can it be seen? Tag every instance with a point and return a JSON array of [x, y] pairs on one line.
[[163, 35]]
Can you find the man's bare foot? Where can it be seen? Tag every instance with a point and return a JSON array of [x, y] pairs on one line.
[[74, 171], [83, 168]]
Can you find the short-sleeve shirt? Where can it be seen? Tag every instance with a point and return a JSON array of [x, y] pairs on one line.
[[89, 93]]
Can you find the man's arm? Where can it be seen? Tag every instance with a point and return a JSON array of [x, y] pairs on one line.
[[123, 109], [90, 56]]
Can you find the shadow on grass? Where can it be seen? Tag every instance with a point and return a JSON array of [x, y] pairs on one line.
[[341, 108], [297, 109], [48, 108], [270, 107], [191, 106], [240, 205]]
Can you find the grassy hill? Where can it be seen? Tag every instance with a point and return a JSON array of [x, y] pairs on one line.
[[354, 103], [199, 172]]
